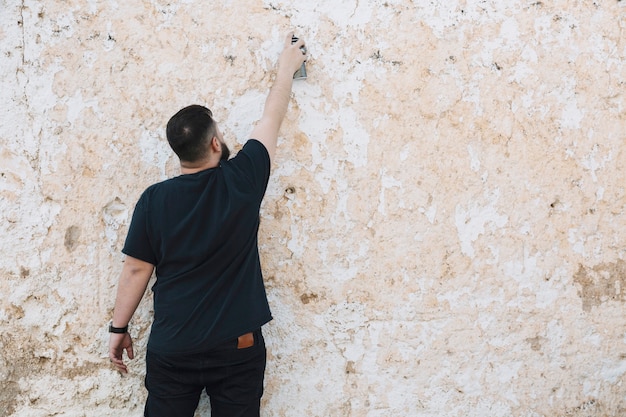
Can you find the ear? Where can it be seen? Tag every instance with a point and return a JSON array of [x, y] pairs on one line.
[[216, 146]]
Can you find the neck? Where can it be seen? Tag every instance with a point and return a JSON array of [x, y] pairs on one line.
[[193, 167]]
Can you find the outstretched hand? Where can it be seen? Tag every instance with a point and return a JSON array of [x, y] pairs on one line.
[[294, 54], [118, 343]]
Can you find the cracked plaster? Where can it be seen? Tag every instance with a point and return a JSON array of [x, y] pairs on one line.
[[443, 230]]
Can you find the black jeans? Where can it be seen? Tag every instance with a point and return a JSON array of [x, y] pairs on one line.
[[231, 376]]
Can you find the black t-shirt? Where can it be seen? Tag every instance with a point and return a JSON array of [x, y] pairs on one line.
[[200, 231]]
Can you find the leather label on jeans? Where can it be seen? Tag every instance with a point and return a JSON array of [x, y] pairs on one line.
[[245, 341]]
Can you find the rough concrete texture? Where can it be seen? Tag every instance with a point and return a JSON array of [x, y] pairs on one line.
[[443, 234]]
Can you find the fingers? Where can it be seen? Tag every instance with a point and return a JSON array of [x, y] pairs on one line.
[[130, 352], [288, 38], [293, 55], [120, 366], [288, 41], [118, 343], [118, 362], [299, 44]]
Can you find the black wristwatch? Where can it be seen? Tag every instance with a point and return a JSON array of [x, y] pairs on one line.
[[117, 329]]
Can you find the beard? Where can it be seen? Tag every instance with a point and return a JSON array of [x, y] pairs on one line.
[[225, 152]]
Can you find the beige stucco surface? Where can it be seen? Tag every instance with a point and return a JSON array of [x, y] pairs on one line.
[[443, 233]]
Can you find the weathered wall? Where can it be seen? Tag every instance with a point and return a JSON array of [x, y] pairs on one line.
[[443, 234]]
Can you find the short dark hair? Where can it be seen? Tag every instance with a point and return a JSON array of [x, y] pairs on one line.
[[190, 131]]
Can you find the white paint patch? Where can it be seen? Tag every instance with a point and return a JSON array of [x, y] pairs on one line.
[[443, 16], [298, 241], [93, 6], [430, 213], [521, 72], [572, 116], [593, 339], [468, 380], [475, 161], [592, 163], [108, 42], [77, 104], [318, 124], [244, 112], [348, 81], [471, 94], [166, 12], [612, 372], [576, 241], [155, 150], [600, 194], [509, 31], [355, 137], [351, 13], [343, 273], [524, 271], [548, 294], [51, 152], [470, 222], [387, 182], [114, 215], [404, 153], [509, 371], [267, 55]]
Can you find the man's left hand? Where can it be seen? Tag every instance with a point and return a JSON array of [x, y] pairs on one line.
[[118, 343]]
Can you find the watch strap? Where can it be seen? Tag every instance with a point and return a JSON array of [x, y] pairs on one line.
[[113, 329]]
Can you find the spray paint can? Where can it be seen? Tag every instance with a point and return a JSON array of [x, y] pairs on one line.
[[301, 73]]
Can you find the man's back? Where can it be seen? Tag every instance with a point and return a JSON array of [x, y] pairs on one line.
[[200, 231]]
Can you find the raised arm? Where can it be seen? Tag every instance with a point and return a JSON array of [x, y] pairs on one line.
[[266, 129]]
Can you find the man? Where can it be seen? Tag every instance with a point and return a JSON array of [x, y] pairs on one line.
[[199, 230]]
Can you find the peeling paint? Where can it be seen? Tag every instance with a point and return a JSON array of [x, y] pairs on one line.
[[442, 234]]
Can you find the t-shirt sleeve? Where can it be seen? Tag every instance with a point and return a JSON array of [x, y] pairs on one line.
[[137, 243], [253, 162]]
